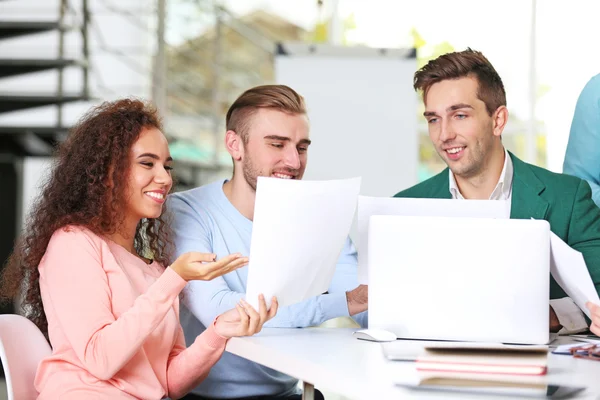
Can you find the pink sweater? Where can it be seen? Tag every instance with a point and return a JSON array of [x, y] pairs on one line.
[[113, 322]]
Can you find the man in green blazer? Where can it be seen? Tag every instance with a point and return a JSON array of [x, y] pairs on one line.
[[465, 108]]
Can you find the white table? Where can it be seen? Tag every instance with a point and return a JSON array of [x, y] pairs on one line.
[[333, 360]]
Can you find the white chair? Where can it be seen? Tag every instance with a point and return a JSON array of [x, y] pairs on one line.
[[22, 347]]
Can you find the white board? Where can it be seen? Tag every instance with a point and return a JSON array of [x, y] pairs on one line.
[[362, 110]]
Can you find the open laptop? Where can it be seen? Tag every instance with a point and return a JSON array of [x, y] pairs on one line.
[[470, 279]]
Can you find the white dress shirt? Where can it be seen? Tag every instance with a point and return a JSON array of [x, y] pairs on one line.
[[569, 315]]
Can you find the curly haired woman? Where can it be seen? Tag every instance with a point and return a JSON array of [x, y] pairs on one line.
[[92, 263]]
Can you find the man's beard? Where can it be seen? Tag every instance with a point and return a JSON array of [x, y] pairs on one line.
[[251, 174], [476, 160]]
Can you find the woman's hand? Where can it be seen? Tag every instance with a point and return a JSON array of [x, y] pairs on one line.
[[202, 266], [244, 320]]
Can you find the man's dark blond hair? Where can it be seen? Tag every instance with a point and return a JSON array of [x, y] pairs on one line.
[[464, 64], [275, 97]]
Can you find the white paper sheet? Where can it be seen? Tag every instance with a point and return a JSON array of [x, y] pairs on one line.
[[568, 268], [368, 206], [298, 233]]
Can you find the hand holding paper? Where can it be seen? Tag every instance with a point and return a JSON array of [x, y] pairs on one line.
[[570, 271], [594, 309]]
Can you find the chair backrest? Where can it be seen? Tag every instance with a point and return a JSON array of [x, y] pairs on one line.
[[22, 347]]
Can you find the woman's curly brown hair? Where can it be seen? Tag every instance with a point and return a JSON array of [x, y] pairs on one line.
[[95, 153]]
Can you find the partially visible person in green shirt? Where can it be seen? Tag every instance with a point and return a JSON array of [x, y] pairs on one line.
[[466, 113]]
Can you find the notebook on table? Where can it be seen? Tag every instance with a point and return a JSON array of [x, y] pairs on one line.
[[470, 357]]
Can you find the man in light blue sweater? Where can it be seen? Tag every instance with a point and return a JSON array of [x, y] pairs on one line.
[[583, 151], [267, 135]]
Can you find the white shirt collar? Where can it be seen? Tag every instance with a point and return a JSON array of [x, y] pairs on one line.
[[503, 189]]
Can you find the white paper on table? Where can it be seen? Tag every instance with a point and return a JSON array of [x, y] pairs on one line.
[[298, 233], [368, 206], [569, 270]]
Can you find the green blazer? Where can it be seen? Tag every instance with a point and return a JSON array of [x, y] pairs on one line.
[[563, 200]]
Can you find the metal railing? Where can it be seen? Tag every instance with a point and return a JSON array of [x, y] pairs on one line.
[[65, 10]]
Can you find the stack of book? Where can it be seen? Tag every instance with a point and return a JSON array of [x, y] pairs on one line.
[[477, 367], [484, 358]]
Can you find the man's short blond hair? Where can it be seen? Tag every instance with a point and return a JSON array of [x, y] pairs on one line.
[[275, 97]]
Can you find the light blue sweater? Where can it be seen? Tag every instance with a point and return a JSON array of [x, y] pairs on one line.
[[583, 151], [204, 220]]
